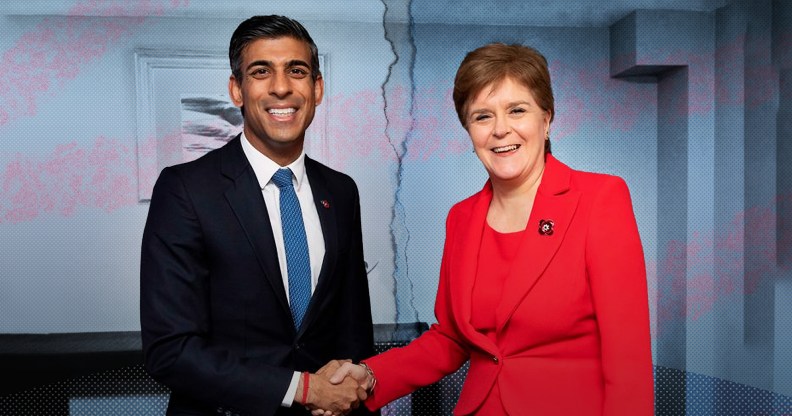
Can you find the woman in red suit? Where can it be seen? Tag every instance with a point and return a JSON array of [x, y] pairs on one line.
[[542, 284]]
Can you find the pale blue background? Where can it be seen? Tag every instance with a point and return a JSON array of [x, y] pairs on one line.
[[688, 101]]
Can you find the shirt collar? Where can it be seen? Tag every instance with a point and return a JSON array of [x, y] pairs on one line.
[[265, 167]]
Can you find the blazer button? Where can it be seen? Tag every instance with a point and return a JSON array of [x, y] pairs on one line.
[[495, 359]]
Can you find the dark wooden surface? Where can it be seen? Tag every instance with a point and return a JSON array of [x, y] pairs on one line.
[[30, 360]]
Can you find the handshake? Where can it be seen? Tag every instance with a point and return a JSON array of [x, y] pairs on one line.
[[336, 389]]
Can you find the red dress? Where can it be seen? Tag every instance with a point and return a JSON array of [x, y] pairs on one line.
[[495, 258]]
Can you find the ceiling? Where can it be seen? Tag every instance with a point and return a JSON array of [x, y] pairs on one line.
[[566, 13]]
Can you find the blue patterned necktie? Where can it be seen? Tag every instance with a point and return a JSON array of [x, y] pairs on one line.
[[298, 265]]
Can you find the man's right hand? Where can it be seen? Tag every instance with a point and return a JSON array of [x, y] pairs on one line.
[[325, 398]]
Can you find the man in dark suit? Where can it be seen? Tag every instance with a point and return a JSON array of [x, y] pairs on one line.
[[252, 272]]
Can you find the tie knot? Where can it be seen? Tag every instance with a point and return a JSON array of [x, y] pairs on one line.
[[282, 177]]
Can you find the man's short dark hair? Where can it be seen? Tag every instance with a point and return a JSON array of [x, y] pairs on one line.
[[268, 27]]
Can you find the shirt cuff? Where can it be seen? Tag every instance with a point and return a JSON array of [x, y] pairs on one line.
[[288, 399]]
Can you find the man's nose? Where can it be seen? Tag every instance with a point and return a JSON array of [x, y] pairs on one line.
[[280, 86]]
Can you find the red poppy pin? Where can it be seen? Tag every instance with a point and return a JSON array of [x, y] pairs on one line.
[[325, 203], [546, 227]]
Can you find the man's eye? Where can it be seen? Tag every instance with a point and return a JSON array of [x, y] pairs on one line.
[[298, 72], [259, 72]]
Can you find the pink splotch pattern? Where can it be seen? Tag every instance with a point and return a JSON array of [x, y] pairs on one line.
[[102, 175], [358, 130], [55, 51], [703, 290], [747, 61], [71, 177], [586, 94]]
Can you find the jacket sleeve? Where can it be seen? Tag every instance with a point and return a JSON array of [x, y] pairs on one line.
[[617, 274], [435, 354], [174, 313]]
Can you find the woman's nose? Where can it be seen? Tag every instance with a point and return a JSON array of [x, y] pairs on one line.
[[501, 129]]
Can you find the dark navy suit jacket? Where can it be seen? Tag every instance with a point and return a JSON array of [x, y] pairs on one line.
[[215, 319]]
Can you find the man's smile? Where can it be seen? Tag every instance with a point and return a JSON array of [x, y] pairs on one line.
[[281, 111]]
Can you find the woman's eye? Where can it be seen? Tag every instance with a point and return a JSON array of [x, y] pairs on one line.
[[481, 117], [517, 110]]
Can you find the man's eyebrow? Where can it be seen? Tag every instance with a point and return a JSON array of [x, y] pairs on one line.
[[289, 64], [260, 62], [297, 62]]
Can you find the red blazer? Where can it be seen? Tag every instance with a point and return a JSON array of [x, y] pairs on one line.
[[573, 323]]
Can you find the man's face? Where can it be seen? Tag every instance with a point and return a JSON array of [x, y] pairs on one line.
[[278, 94]]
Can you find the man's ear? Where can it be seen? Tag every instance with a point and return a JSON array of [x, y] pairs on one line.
[[235, 91], [319, 89]]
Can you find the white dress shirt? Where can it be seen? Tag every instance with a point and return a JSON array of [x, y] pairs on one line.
[[264, 168]]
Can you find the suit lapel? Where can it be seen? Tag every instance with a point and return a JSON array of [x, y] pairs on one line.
[[556, 202], [324, 205], [463, 270], [244, 197]]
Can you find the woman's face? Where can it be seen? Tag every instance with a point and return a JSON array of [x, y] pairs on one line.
[[508, 130]]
